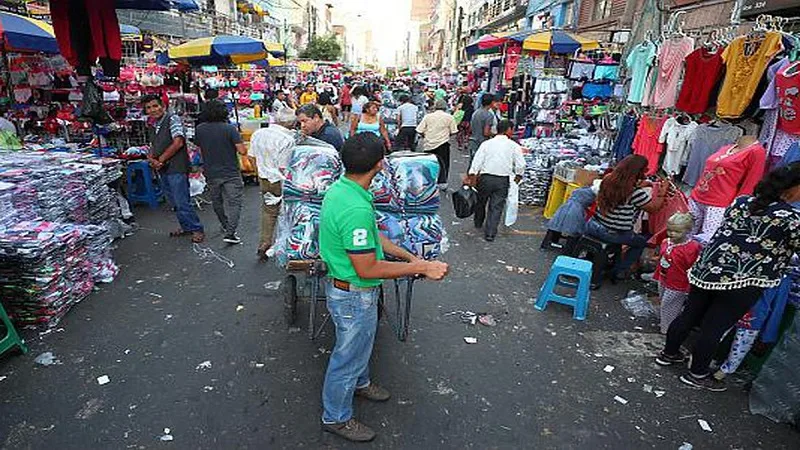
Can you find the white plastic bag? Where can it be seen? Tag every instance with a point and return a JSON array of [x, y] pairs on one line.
[[271, 199], [512, 203], [197, 185]]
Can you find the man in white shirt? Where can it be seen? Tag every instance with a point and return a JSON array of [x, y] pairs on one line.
[[407, 118], [436, 129], [272, 147], [497, 160], [280, 102]]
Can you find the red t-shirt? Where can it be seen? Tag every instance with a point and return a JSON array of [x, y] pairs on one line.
[[787, 82], [345, 99], [679, 258], [646, 143], [703, 71], [727, 176]]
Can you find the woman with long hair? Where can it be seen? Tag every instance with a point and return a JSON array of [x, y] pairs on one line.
[[622, 195], [370, 122], [749, 253], [359, 99]]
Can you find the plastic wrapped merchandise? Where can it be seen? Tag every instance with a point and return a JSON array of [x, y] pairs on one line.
[[638, 305], [464, 201], [311, 171], [297, 235], [384, 192], [415, 176], [421, 234], [776, 393]]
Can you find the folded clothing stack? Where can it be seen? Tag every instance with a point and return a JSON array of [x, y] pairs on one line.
[[44, 270], [421, 234], [311, 171]]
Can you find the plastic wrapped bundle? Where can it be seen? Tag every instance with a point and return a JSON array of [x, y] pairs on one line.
[[297, 235], [311, 171], [420, 234], [383, 189], [415, 178]]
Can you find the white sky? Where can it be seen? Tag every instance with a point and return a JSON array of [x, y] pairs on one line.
[[388, 19]]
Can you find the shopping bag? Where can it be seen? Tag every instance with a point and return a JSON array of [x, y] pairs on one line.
[[512, 203], [464, 201], [458, 116]]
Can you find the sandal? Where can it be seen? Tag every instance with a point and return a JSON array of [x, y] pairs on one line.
[[198, 237], [179, 232]]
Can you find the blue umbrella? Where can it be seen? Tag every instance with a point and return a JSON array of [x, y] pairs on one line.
[[158, 5]]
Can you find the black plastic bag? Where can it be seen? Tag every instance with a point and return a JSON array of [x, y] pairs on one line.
[[93, 108], [464, 201]]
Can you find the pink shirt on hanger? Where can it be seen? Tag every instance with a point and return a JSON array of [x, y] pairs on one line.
[[670, 65]]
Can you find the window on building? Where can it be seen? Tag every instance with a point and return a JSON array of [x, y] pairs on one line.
[[602, 9], [508, 4]]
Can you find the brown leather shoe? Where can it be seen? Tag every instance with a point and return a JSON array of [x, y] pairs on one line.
[[374, 393], [352, 430]]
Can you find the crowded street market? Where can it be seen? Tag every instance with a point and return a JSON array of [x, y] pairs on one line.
[[247, 230]]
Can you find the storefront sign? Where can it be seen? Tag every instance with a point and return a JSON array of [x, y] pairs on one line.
[[756, 7]]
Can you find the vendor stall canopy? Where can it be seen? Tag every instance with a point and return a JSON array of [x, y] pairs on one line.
[[23, 34], [130, 33], [222, 50], [158, 5], [553, 41]]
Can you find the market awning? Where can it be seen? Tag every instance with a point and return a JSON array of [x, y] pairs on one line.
[[158, 5], [558, 41], [130, 33], [275, 49], [487, 44], [23, 34], [219, 50]]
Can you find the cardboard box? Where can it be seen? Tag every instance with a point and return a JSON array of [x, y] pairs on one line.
[[585, 177]]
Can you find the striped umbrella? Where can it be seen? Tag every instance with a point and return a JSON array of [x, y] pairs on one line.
[[23, 34], [130, 33], [219, 50], [557, 41]]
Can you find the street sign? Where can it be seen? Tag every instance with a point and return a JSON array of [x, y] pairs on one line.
[[756, 7]]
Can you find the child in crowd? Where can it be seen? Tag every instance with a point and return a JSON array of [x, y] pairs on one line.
[[676, 256], [570, 218]]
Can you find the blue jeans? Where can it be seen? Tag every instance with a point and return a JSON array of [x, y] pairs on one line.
[[636, 243], [355, 316], [176, 188]]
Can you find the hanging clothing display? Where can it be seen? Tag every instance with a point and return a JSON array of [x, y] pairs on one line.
[[769, 104], [703, 71], [646, 141], [729, 173], [744, 72], [639, 62], [626, 131], [787, 82], [82, 45], [670, 65], [704, 142], [676, 136]]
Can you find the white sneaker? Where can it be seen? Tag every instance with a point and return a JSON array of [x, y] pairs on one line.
[[232, 239]]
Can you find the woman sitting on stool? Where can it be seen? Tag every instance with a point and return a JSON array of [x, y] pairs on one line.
[[622, 195]]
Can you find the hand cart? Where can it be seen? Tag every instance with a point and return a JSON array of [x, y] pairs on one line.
[[314, 271]]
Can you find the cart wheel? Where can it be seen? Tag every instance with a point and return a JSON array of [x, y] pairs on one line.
[[290, 300]]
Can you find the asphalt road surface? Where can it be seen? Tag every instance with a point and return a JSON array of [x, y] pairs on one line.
[[201, 348]]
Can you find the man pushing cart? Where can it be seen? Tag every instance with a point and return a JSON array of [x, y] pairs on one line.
[[353, 250]]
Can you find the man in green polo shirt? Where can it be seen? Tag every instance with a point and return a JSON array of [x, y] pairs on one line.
[[353, 250]]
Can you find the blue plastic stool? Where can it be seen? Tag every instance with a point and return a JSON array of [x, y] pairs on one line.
[[143, 186], [574, 268]]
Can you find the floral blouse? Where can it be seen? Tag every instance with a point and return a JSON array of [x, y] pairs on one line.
[[749, 250]]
